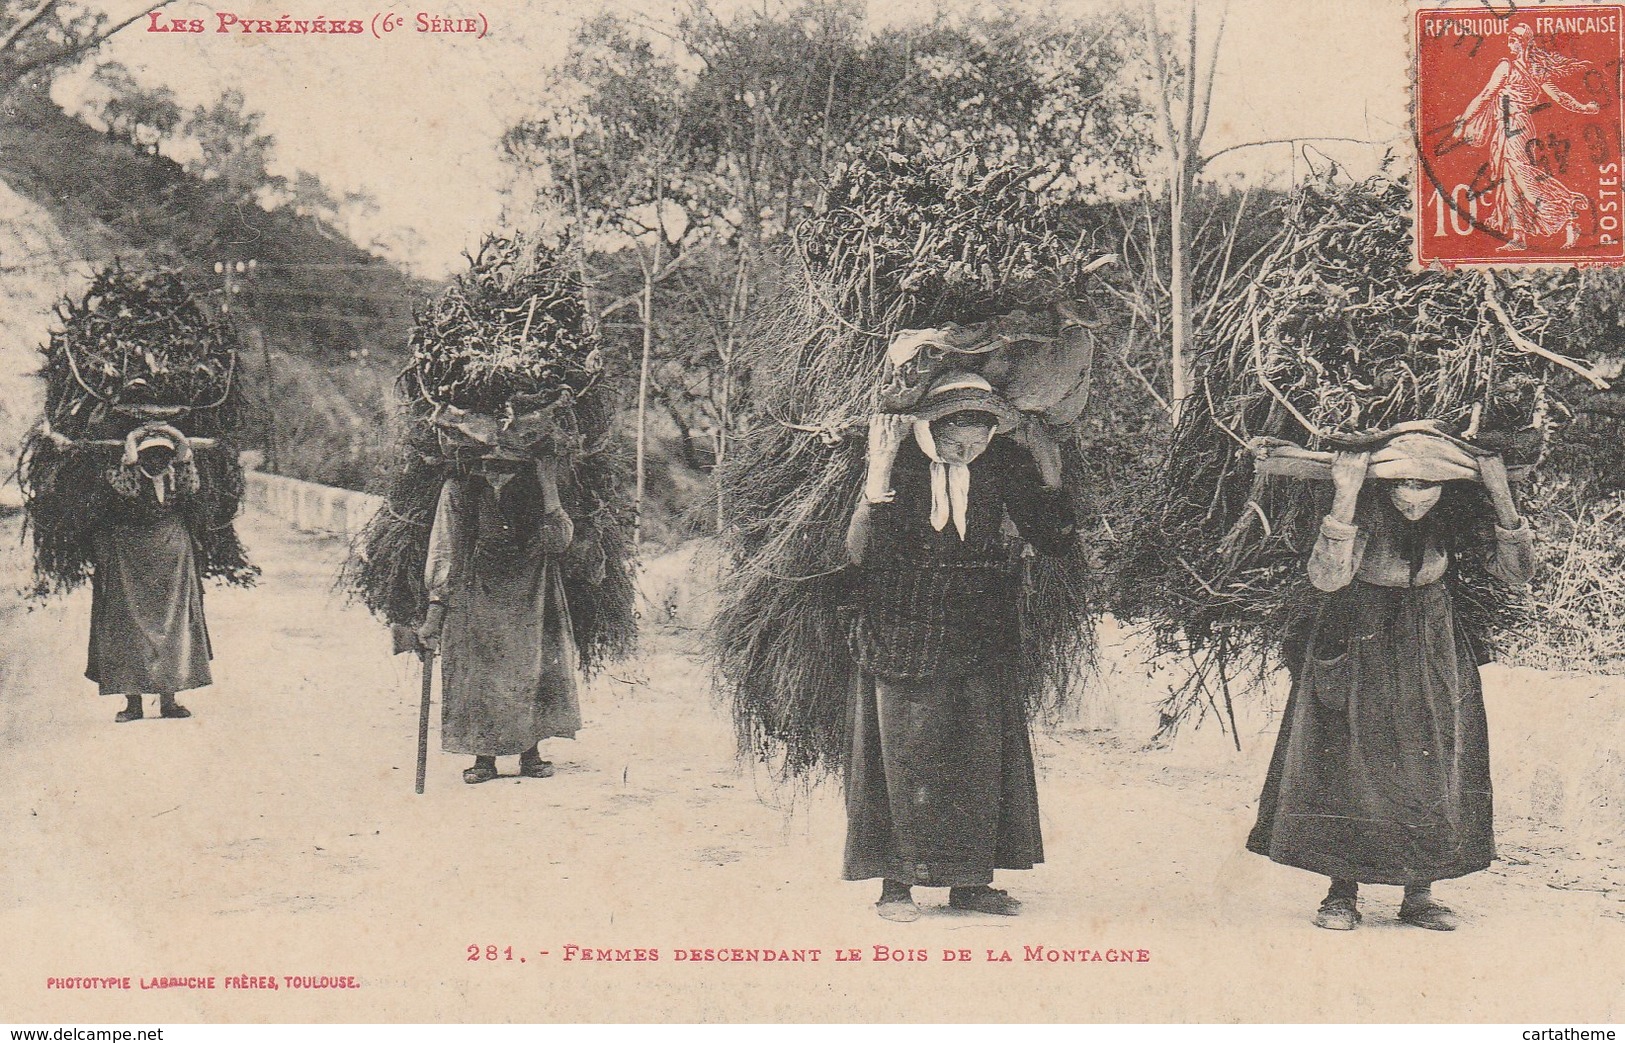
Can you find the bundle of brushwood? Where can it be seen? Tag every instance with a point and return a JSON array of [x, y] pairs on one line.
[[133, 349], [921, 259], [1337, 343], [507, 357]]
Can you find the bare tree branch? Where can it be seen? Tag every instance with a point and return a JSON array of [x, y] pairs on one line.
[[1122, 356], [1280, 141], [1207, 81], [1154, 38], [1229, 247], [1190, 144], [25, 23], [74, 49]]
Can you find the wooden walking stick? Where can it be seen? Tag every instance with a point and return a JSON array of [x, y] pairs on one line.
[[427, 656], [405, 639]]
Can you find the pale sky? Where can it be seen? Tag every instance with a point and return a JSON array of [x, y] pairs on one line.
[[414, 119]]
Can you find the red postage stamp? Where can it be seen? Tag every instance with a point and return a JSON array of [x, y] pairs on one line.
[[1519, 125]]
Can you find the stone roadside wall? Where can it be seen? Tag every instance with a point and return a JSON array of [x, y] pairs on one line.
[[309, 507]]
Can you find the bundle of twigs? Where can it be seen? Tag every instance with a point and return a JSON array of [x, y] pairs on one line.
[[915, 233], [507, 332], [133, 347], [1334, 337], [1343, 336], [905, 241], [140, 339], [482, 346]]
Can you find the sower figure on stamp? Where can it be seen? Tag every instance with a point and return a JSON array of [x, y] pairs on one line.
[[940, 789], [499, 616], [1527, 200], [147, 631], [1381, 770]]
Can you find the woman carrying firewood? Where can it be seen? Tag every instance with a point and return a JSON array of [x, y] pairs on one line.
[[497, 610], [940, 786], [505, 537], [972, 378], [147, 631], [131, 479], [1381, 770]]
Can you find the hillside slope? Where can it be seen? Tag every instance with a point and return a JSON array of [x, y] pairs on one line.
[[330, 318]]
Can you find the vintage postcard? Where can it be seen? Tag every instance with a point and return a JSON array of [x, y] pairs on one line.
[[1062, 511]]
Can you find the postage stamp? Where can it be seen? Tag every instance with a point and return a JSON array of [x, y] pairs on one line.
[[1518, 126]]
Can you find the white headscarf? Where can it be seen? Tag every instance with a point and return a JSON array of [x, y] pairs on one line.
[[950, 483]]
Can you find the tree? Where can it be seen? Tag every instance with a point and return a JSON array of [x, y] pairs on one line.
[[1183, 91], [231, 148], [134, 113], [1047, 89], [740, 129], [610, 138], [776, 94], [697, 377], [358, 204], [310, 198], [37, 35]]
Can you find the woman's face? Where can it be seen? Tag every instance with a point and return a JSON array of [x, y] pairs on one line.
[[962, 437], [1413, 498], [154, 460]]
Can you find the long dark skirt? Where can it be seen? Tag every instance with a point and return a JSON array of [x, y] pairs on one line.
[[508, 661], [147, 631], [940, 788], [1381, 773]]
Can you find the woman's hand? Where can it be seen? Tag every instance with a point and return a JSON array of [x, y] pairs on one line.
[[557, 531], [183, 445], [1348, 470], [433, 623], [1348, 476], [1040, 442], [886, 434], [1493, 471]]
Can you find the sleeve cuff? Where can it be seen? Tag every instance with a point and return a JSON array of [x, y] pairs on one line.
[[1333, 529], [1522, 534]]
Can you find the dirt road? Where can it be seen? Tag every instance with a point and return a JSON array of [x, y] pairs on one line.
[[275, 834]]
